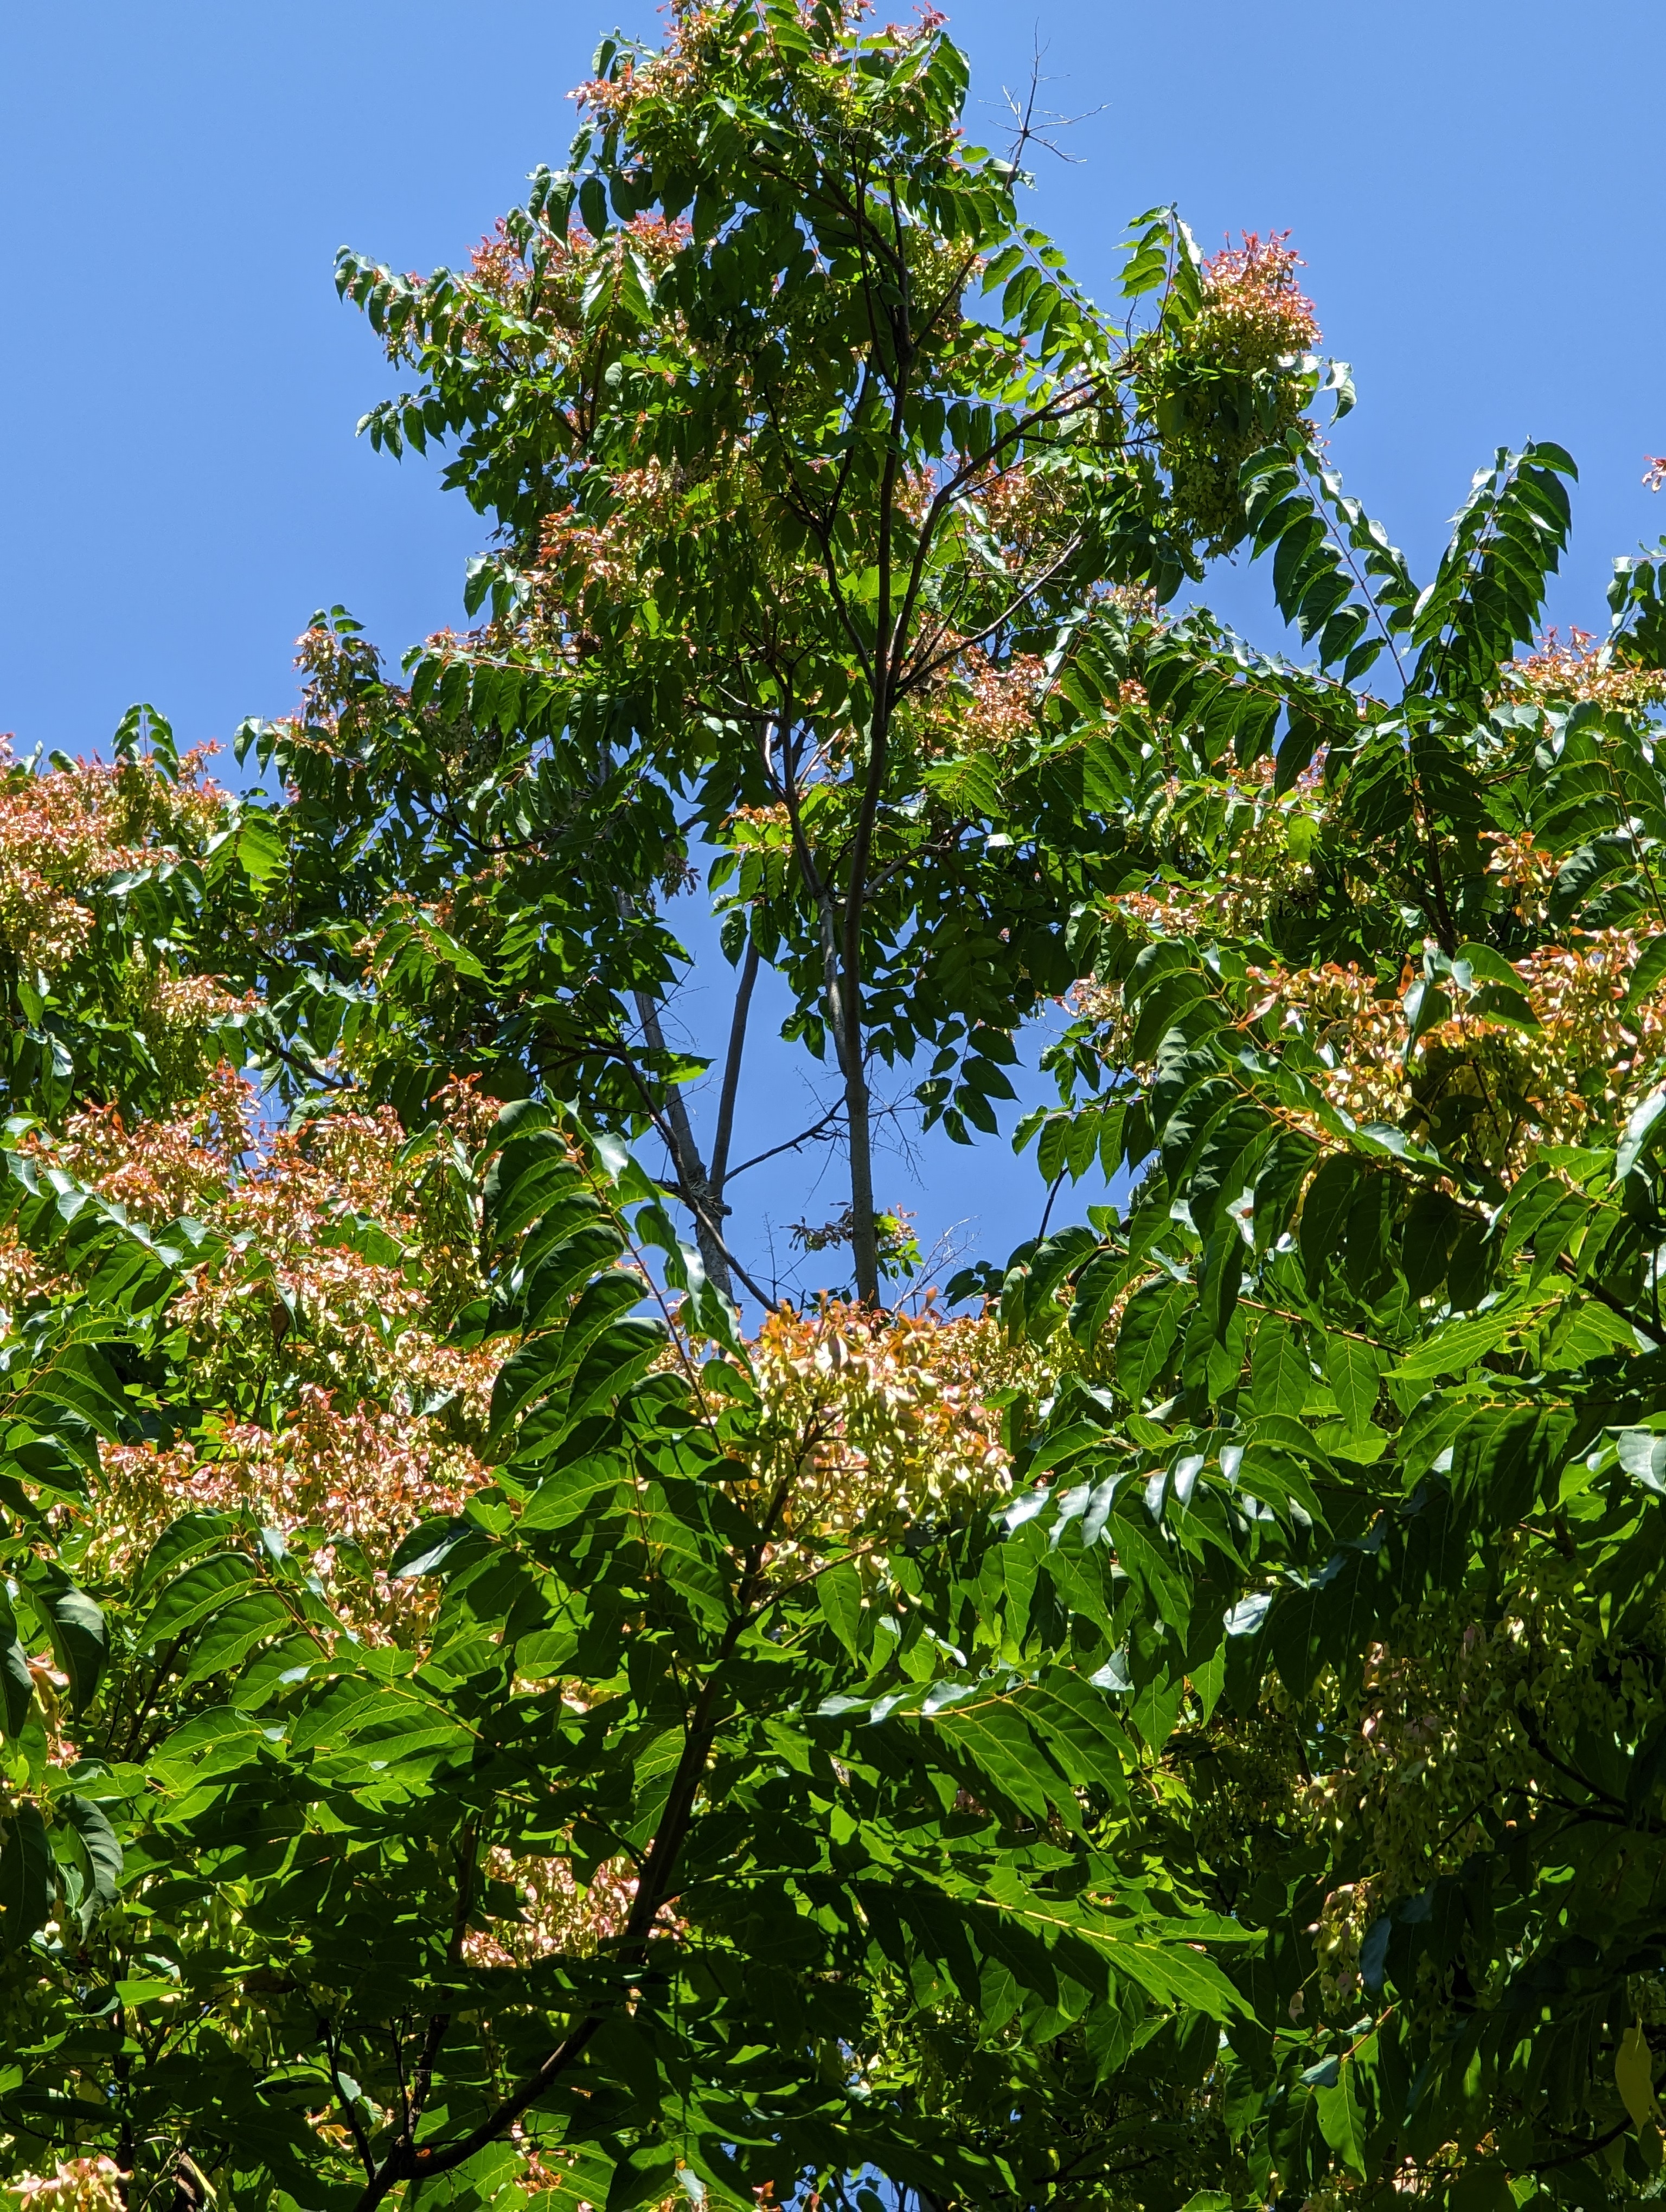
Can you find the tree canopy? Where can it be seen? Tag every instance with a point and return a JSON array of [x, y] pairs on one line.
[[816, 479], [1179, 1722]]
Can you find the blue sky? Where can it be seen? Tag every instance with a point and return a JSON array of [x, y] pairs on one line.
[[1475, 186]]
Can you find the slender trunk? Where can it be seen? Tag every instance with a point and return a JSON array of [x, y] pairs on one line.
[[864, 1231], [887, 645], [704, 1203], [695, 1184], [842, 987], [864, 1238], [842, 968], [725, 1104]]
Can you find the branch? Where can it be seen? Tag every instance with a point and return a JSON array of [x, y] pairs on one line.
[[928, 669], [696, 1205], [356, 2125], [792, 1142], [765, 1298], [1344, 552], [1581, 2150], [1533, 1737], [787, 785], [407, 2163], [718, 1174]]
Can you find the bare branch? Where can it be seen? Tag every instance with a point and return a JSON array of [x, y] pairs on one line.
[[725, 1104], [792, 1144]]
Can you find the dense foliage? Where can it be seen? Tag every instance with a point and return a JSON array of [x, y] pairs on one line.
[[811, 468], [477, 1728], [1366, 1388]]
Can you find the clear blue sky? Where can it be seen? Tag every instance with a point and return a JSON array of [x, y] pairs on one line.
[[1476, 187]]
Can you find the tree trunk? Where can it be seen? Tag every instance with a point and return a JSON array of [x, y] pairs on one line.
[[864, 1234], [864, 1237], [719, 1175], [703, 1202]]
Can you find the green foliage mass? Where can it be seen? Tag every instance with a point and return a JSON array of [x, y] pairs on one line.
[[811, 468], [1375, 1031], [1252, 1798]]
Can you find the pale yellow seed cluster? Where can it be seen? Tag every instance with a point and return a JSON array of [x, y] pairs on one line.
[[65, 832], [1582, 671], [875, 1419], [75, 2185]]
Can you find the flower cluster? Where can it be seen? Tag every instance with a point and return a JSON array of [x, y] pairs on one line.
[[162, 1167], [985, 706], [1511, 1089], [1228, 383], [318, 1322], [1253, 307], [558, 1914], [1234, 857], [875, 1419], [1526, 873], [1442, 1741], [76, 2185], [588, 560], [359, 1476], [1579, 670], [65, 832], [700, 35], [1022, 508], [1358, 1034]]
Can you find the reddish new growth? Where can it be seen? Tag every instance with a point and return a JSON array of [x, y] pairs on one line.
[[65, 832], [1256, 310], [319, 1326], [1582, 670], [75, 2185], [1254, 323]]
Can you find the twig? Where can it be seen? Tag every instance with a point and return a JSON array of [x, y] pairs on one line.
[[791, 1144]]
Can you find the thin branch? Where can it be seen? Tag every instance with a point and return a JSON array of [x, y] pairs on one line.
[[1584, 2149], [356, 2125], [1053, 1190], [698, 1204], [791, 1144], [1345, 552], [926, 670], [764, 1298], [1584, 1780], [718, 1173], [814, 884]]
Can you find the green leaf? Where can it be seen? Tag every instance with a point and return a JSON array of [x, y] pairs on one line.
[[1457, 1345], [1342, 2121], [1280, 1378], [16, 1683], [1504, 1462], [234, 1631], [1150, 1330], [1486, 966], [192, 1596], [81, 1641], [839, 1595], [643, 2176], [1640, 1134], [1352, 1369], [1325, 1207], [1649, 973], [261, 853], [1498, 1004], [26, 1882], [102, 1848]]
